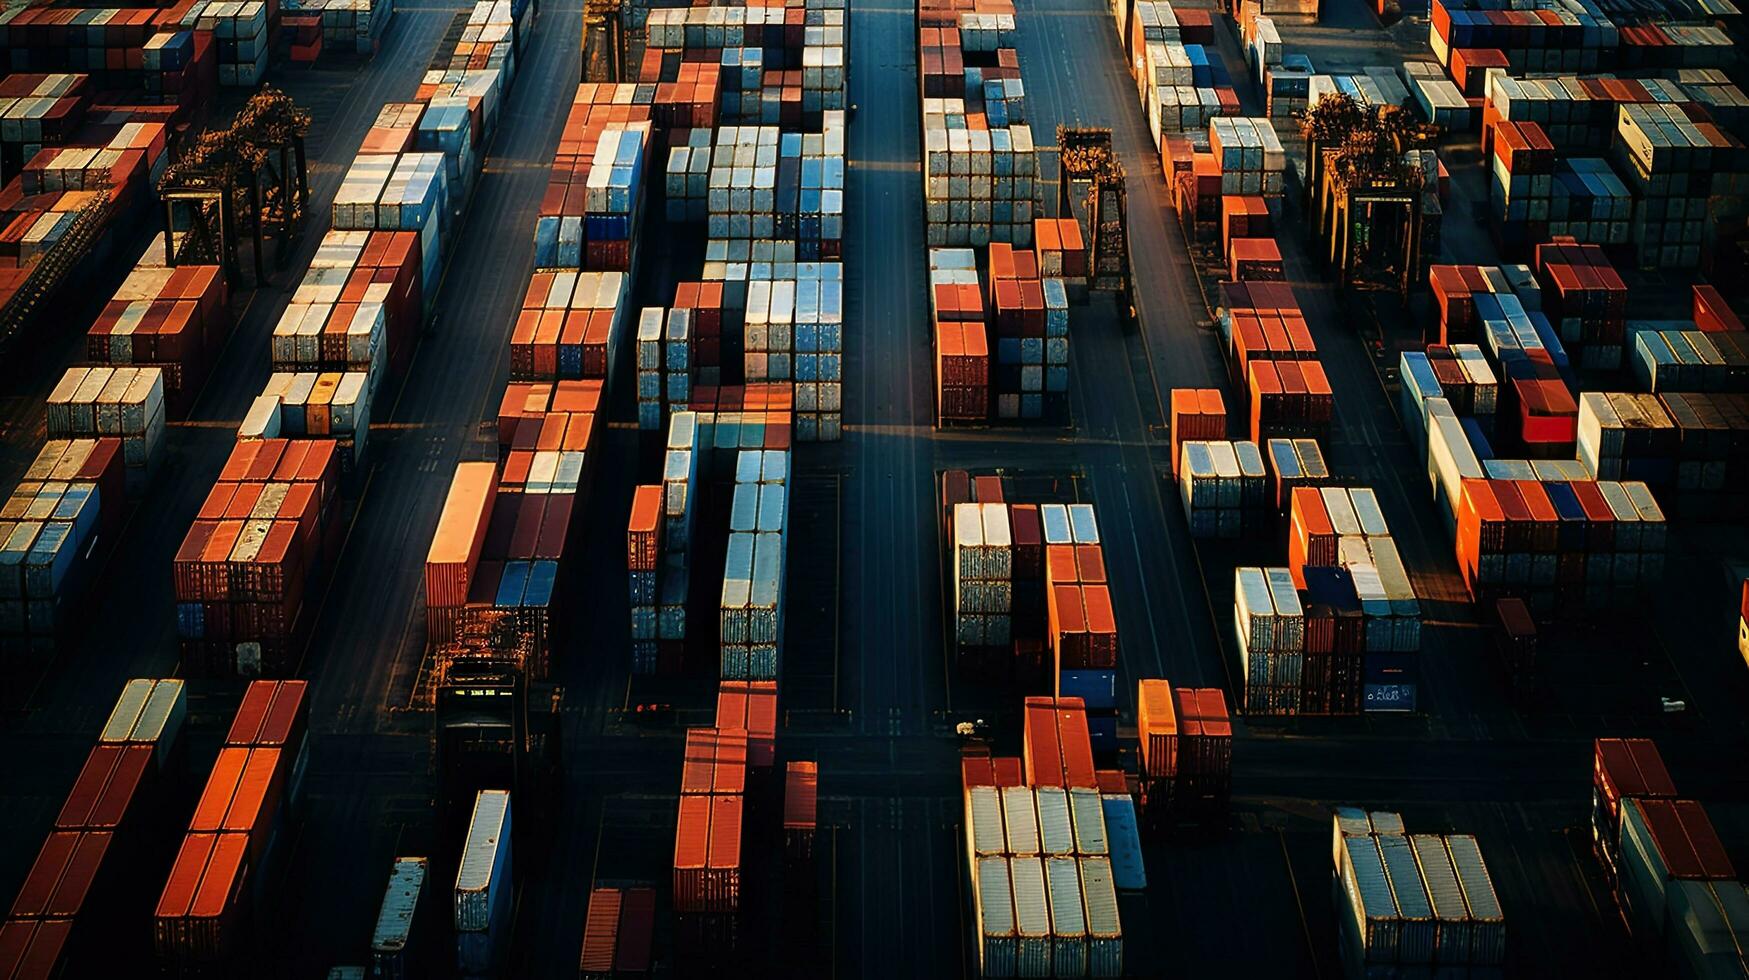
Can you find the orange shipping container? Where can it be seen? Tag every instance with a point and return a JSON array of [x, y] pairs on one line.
[[1156, 727], [461, 533]]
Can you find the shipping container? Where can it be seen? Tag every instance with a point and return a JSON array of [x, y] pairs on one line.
[[484, 886], [396, 944]]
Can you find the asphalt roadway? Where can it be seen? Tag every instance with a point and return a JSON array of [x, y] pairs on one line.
[[868, 690]]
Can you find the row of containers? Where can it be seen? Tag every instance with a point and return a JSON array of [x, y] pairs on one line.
[[1672, 879], [1002, 350], [1640, 159], [89, 98], [1558, 494], [1031, 597], [744, 109], [981, 173], [70, 139], [1049, 844], [121, 878], [1412, 902], [268, 531], [1000, 271]]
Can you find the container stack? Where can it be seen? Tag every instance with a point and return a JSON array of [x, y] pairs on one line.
[[397, 192], [447, 127], [83, 885], [1522, 167], [751, 706], [1273, 333], [707, 839], [680, 481], [1289, 399], [264, 533], [1249, 155], [980, 172], [346, 25], [1585, 299], [307, 405], [1292, 463], [619, 933], [1270, 625], [643, 559], [1512, 539], [570, 325], [1198, 415], [1340, 550], [126, 403], [1671, 863], [559, 236], [172, 319], [1622, 769], [1674, 167], [962, 370], [499, 552], [514, 597], [69, 500], [686, 180], [1628, 436], [1081, 624], [1690, 361], [751, 614], [1187, 753], [1412, 901], [333, 307], [1044, 887], [1031, 321], [983, 575], [219, 876], [485, 886], [1224, 487], [242, 36], [1590, 204], [614, 195], [651, 386]]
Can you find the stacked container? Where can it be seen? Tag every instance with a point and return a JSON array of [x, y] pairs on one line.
[[398, 192], [983, 575], [570, 325], [643, 559], [751, 615], [1249, 154], [1198, 415], [315, 406], [124, 402], [1562, 546], [1622, 770], [1341, 551], [680, 471], [614, 193], [264, 533], [1044, 897], [1224, 487], [1674, 166], [1186, 742], [173, 319], [1290, 399], [1292, 463], [218, 879], [70, 498], [559, 236], [1081, 625], [707, 841], [1270, 626], [241, 30], [1405, 902], [82, 885]]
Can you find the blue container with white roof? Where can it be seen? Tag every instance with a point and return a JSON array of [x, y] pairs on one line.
[[483, 887]]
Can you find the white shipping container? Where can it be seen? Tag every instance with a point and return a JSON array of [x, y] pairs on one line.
[[1032, 918], [483, 880], [995, 910], [1068, 916]]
